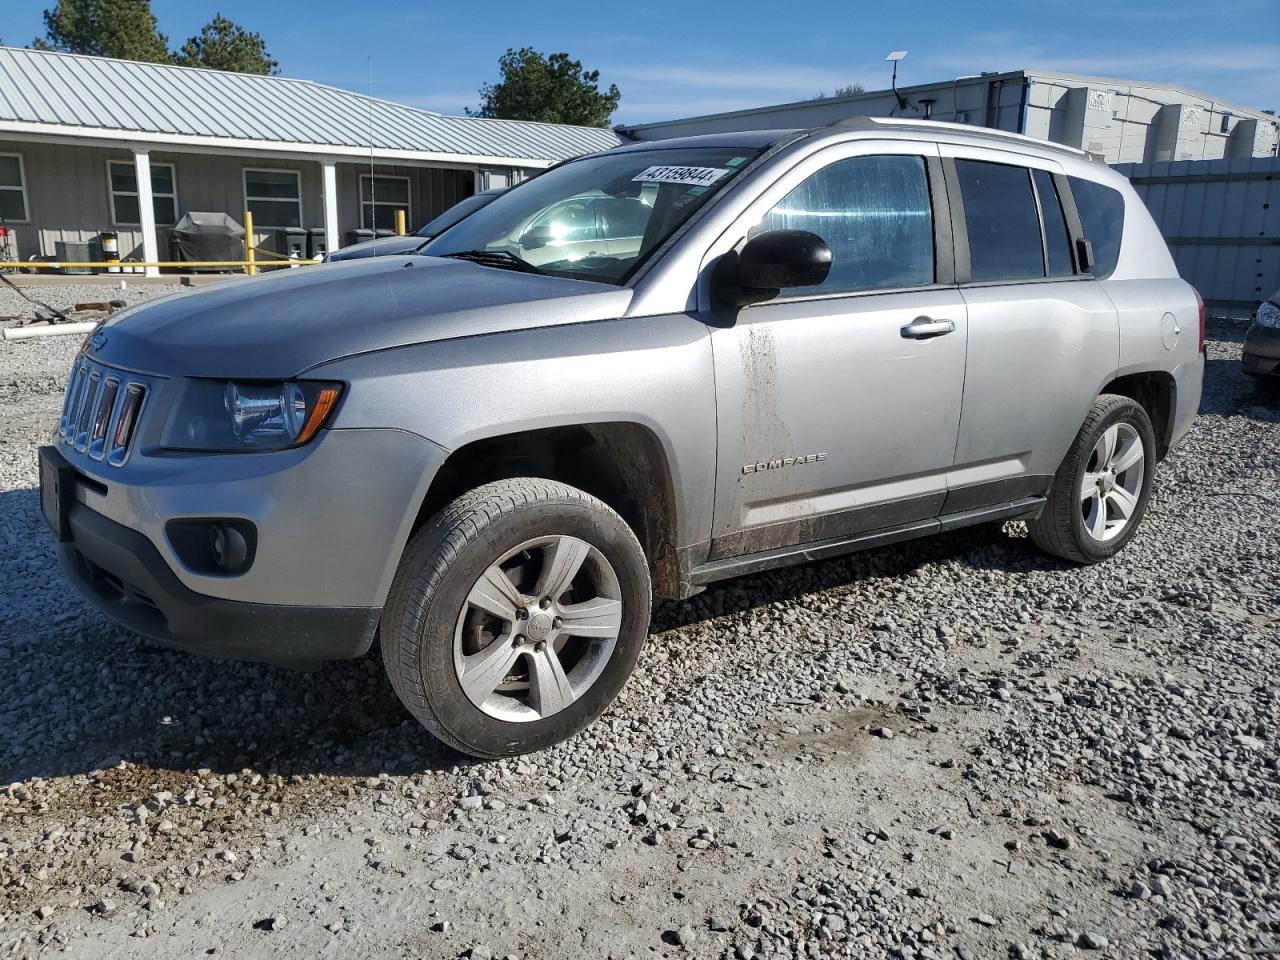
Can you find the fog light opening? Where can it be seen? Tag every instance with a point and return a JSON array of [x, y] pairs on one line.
[[213, 546], [229, 548]]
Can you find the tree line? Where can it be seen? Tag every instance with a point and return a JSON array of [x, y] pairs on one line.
[[128, 30]]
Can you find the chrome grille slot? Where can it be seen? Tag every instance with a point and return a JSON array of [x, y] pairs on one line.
[[100, 411], [126, 420], [103, 415], [73, 388], [92, 389]]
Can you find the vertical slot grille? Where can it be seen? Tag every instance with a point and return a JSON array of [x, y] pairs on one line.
[[100, 412]]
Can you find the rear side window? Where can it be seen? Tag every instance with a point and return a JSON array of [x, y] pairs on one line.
[[1057, 241], [1101, 212], [874, 214], [1002, 221]]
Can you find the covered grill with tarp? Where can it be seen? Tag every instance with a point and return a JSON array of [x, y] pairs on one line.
[[208, 236]]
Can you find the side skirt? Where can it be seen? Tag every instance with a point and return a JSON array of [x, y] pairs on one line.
[[806, 552]]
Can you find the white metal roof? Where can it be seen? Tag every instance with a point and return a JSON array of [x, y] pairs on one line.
[[68, 94]]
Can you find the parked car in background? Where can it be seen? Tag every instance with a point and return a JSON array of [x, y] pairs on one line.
[[646, 371], [1261, 354], [413, 242]]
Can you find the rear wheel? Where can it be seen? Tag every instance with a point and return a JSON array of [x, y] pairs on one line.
[[1100, 492], [516, 616]]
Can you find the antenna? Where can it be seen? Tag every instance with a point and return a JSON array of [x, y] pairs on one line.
[[373, 183], [893, 57]]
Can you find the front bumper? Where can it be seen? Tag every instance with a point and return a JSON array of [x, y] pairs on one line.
[[120, 571], [1261, 352], [331, 521]]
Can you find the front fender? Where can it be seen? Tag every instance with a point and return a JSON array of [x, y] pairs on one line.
[[656, 372]]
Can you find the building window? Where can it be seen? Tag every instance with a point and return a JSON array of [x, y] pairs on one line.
[[123, 176], [13, 188], [380, 198], [274, 197]]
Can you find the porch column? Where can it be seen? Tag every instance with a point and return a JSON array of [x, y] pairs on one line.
[[330, 170], [146, 211]]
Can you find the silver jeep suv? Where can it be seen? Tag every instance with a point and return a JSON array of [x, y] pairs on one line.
[[642, 372]]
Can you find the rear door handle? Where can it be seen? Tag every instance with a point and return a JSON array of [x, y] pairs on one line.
[[926, 328]]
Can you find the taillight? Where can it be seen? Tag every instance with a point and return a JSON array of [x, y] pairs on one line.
[[1200, 304]]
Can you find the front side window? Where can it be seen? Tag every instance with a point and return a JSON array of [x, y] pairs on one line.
[[598, 218], [874, 214], [13, 196], [124, 194], [380, 198], [274, 197], [1002, 221], [1101, 212]]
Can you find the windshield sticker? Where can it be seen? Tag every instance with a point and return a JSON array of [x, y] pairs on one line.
[[697, 176]]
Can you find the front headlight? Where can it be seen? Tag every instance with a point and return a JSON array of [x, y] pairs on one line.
[[1268, 315], [223, 416]]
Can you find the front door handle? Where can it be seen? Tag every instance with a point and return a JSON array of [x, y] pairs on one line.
[[926, 328]]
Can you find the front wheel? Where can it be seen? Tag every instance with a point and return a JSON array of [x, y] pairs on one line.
[[516, 616], [1100, 493]]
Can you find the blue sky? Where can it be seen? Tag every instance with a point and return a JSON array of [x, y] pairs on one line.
[[673, 59]]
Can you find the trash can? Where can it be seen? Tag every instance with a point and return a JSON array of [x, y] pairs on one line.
[[364, 233], [291, 242], [110, 249], [317, 245]]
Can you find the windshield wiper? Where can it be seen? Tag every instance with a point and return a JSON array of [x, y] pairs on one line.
[[503, 259]]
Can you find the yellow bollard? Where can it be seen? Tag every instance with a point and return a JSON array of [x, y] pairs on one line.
[[400, 231], [249, 268]]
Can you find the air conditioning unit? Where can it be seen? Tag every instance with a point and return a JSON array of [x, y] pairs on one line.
[[70, 251]]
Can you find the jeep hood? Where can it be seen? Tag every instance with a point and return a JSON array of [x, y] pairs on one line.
[[278, 326]]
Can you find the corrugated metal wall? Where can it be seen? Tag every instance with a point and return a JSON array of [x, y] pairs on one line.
[[1221, 219]]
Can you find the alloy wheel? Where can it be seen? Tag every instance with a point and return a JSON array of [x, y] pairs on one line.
[[537, 629], [1112, 483]]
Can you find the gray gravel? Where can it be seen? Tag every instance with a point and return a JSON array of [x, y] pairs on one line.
[[64, 296], [950, 748]]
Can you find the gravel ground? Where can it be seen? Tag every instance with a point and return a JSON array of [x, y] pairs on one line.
[[63, 296], [954, 747]]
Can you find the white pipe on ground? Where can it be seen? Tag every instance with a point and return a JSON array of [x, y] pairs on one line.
[[52, 330]]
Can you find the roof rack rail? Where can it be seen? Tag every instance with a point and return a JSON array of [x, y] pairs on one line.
[[867, 123]]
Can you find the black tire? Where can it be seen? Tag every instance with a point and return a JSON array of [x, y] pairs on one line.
[[442, 563], [1060, 529]]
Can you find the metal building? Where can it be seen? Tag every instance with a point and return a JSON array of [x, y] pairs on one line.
[[90, 144], [1221, 219], [1119, 121]]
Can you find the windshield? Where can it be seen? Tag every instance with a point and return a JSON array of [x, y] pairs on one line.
[[594, 219], [460, 210]]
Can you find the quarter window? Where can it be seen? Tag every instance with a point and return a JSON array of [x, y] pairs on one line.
[[874, 214], [13, 194], [1057, 241], [1101, 212], [380, 198], [124, 194], [274, 197], [1002, 221]]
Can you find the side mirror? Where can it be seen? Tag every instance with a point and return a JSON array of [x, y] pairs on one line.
[[772, 262], [536, 237]]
